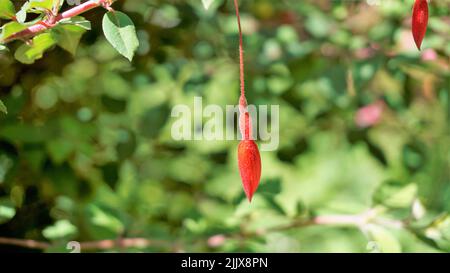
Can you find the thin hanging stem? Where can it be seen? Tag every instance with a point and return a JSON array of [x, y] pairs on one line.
[[241, 52]]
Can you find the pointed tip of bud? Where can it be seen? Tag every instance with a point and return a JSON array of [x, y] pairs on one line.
[[419, 45], [249, 197]]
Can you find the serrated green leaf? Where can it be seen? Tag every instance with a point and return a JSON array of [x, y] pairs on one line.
[[7, 10], [69, 36], [120, 32], [3, 107], [11, 28], [27, 54]]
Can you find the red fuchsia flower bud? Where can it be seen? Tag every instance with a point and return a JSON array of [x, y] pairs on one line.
[[369, 115], [419, 21], [249, 162]]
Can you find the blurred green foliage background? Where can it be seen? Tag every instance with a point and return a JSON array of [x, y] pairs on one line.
[[86, 152]]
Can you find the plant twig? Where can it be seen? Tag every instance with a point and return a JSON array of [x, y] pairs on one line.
[[358, 220], [39, 27], [122, 243], [241, 53], [24, 243], [91, 245]]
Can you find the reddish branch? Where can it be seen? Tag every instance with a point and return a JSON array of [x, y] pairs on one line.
[[94, 245], [358, 221], [53, 21], [24, 243]]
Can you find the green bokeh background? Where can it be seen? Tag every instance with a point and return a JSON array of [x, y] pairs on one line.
[[86, 152]]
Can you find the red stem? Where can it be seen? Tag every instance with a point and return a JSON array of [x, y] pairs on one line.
[[39, 27], [77, 10], [241, 56]]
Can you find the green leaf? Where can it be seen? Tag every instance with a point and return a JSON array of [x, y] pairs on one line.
[[60, 149], [157, 117], [418, 210], [11, 28], [77, 21], [6, 164], [319, 25], [25, 133], [60, 230], [7, 210], [384, 240], [207, 3], [27, 54], [3, 107], [41, 4], [271, 187], [57, 4], [7, 9], [395, 195], [269, 190], [104, 219], [69, 36], [120, 32], [35, 6], [21, 15]]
